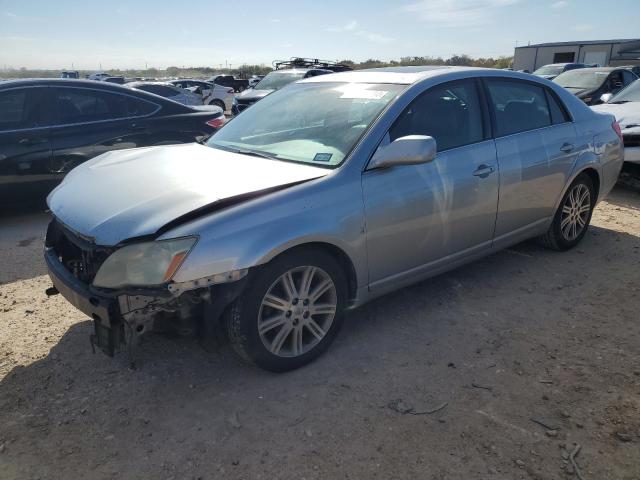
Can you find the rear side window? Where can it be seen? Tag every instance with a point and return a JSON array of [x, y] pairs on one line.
[[77, 105], [450, 113], [558, 112], [13, 110], [518, 106]]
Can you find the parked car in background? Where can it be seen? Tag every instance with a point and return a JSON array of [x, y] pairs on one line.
[[168, 90], [625, 106], [590, 84], [287, 72], [118, 80], [553, 70], [98, 76], [212, 94], [254, 80], [322, 196], [69, 74], [49, 126], [238, 84]]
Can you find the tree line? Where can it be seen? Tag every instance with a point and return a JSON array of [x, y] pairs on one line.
[[245, 71]]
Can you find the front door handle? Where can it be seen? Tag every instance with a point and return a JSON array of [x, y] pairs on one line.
[[483, 171], [567, 147], [32, 141]]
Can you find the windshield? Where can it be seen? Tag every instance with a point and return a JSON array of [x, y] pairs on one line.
[[316, 123], [277, 80], [629, 94], [581, 79], [549, 70]]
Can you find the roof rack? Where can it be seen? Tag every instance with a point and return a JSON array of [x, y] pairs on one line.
[[301, 62]]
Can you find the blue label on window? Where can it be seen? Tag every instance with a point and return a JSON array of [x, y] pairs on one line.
[[322, 157]]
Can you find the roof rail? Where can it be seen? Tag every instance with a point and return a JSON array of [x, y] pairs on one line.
[[301, 62]]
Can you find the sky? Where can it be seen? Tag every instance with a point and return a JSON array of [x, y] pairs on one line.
[[92, 34]]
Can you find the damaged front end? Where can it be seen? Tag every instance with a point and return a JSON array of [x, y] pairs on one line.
[[87, 276]]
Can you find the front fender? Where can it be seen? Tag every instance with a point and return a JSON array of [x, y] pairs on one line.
[[254, 232]]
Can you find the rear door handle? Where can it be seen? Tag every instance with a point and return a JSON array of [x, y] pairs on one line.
[[567, 147], [483, 171]]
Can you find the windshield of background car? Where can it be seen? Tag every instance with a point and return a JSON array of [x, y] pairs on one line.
[[629, 94], [581, 79], [549, 70], [277, 80], [314, 123]]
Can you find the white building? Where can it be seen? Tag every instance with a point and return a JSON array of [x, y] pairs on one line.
[[601, 52]]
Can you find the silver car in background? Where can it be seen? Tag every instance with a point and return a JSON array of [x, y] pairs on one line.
[[324, 195]]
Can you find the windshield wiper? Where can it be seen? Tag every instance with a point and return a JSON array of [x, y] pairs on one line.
[[254, 153]]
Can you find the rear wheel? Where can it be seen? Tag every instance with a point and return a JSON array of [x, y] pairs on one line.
[[290, 311], [572, 219], [219, 103]]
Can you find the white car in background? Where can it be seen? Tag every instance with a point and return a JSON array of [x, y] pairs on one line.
[[168, 90], [625, 106], [212, 94]]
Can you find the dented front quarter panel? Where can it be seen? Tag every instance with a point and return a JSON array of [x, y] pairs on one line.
[[327, 210]]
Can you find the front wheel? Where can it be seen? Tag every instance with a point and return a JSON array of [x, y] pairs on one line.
[[290, 311], [572, 219]]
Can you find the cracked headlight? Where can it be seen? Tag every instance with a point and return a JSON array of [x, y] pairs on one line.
[[144, 264]]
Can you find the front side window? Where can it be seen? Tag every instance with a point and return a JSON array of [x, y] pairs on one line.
[[450, 113], [518, 106], [316, 123], [78, 105]]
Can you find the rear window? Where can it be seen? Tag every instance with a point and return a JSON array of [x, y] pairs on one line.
[[518, 106]]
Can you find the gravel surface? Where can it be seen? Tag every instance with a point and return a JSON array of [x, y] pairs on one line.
[[496, 370]]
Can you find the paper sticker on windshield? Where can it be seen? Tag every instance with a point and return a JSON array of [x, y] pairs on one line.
[[322, 157]]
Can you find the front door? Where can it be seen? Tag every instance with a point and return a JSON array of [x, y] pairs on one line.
[[420, 217]]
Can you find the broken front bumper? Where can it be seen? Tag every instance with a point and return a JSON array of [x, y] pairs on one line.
[[108, 324]]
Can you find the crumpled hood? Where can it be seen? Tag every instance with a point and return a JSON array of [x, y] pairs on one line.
[[627, 115], [130, 193]]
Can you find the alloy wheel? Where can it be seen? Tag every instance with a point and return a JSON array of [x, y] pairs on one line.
[[297, 311], [575, 212]]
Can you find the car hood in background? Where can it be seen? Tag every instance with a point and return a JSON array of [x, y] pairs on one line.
[[627, 115], [253, 94], [131, 193]]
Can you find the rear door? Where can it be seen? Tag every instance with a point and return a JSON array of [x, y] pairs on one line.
[[535, 155], [92, 121], [422, 216], [25, 144]]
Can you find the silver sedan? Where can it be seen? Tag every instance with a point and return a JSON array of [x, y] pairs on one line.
[[324, 195]]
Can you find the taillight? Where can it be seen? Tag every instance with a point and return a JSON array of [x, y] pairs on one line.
[[616, 128], [216, 122]]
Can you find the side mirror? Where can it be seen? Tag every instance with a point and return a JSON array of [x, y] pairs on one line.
[[606, 97], [410, 150]]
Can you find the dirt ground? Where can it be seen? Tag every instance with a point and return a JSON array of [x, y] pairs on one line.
[[526, 334]]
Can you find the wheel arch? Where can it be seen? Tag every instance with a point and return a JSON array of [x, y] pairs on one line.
[[345, 262]]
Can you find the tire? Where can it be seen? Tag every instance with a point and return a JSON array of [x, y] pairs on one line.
[[288, 336], [558, 237], [219, 103]]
